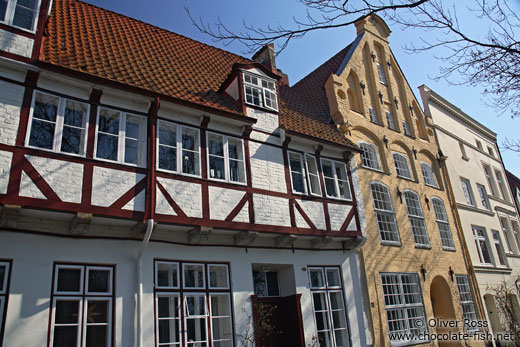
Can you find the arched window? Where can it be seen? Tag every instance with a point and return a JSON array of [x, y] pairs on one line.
[[443, 224], [401, 166], [429, 176], [415, 213], [384, 214], [369, 156]]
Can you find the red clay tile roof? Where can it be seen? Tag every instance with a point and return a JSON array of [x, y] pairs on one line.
[[94, 41], [305, 105]]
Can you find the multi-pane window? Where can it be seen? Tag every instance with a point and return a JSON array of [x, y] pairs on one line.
[[468, 193], [384, 214], [192, 304], [336, 180], [58, 124], [415, 214], [401, 166], [19, 13], [504, 223], [483, 196], [381, 73], [501, 185], [305, 178], [443, 224], [406, 128], [329, 307], [489, 178], [373, 115], [297, 172], [369, 156], [121, 137], [226, 158], [466, 300], [404, 308], [260, 91], [266, 283], [479, 234], [82, 300], [313, 178], [479, 144], [499, 248], [178, 148], [5, 266], [462, 150], [429, 176], [490, 151], [390, 120], [516, 231]]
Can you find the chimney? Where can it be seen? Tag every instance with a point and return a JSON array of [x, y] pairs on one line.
[[265, 56]]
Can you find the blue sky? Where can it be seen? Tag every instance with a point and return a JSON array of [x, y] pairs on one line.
[[304, 55]]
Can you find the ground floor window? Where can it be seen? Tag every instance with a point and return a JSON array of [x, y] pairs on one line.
[[82, 305], [466, 302], [329, 306], [192, 304], [404, 308], [5, 267]]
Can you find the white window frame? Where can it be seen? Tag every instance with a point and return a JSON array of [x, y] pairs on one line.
[[390, 120], [310, 175], [301, 172], [490, 179], [482, 238], [212, 317], [184, 277], [443, 224], [382, 74], [506, 229], [227, 159], [186, 315], [83, 296], [429, 175], [499, 248], [373, 115], [501, 184], [4, 292], [264, 92], [403, 306], [516, 230], [387, 213], [10, 11], [156, 274], [466, 302], [371, 151], [178, 147], [403, 160], [209, 276], [416, 217], [59, 124], [406, 128], [121, 137], [158, 319], [346, 182], [305, 173], [467, 191], [483, 196]]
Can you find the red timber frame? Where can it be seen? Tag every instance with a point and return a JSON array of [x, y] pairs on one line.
[[150, 182]]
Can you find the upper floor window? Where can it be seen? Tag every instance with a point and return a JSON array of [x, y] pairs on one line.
[[304, 174], [504, 223], [463, 150], [406, 128], [196, 297], [501, 185], [429, 176], [58, 124], [336, 180], [443, 224], [415, 214], [483, 196], [490, 151], [466, 301], [468, 192], [369, 156], [390, 120], [381, 73], [490, 180], [4, 290], [260, 91], [19, 13], [479, 234], [384, 214], [479, 144], [401, 166], [82, 299], [226, 158], [178, 148], [516, 231], [373, 115], [499, 248], [121, 137]]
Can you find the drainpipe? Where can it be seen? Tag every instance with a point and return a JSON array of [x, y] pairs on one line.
[[139, 285]]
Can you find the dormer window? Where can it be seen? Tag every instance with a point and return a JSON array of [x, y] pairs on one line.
[[19, 13], [260, 91]]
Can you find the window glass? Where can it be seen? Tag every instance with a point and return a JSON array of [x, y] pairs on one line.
[[373, 115], [429, 176], [335, 177], [312, 175], [108, 134], [489, 178], [385, 216], [260, 91], [297, 173], [190, 151], [266, 283], [501, 186], [401, 166], [498, 247], [483, 196], [443, 224], [168, 319], [466, 301], [406, 128], [70, 279], [216, 156], [4, 290], [466, 189], [316, 278], [25, 13], [193, 275], [218, 276], [167, 146], [369, 156], [226, 158], [45, 114], [236, 160], [381, 73], [482, 246], [135, 137], [221, 320], [74, 127], [415, 214], [167, 274], [390, 120]]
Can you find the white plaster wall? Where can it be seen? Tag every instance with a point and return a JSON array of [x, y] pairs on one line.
[[29, 189], [187, 195], [222, 201], [265, 121], [338, 214], [10, 103], [271, 210], [16, 44], [162, 206], [267, 170], [108, 185], [65, 178], [313, 210], [5, 167]]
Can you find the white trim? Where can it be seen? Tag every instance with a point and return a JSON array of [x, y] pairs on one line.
[[178, 318], [9, 16], [209, 276], [110, 280], [303, 172], [81, 279], [226, 158], [3, 291], [157, 278], [211, 317], [184, 286], [336, 180], [86, 323], [79, 323]]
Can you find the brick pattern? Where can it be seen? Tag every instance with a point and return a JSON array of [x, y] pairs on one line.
[[338, 214], [5, 167], [16, 44], [313, 210], [10, 103], [108, 185], [29, 189], [222, 201], [187, 195], [271, 210], [267, 167]]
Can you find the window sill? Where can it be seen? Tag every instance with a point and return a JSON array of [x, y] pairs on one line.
[[423, 247], [449, 249], [411, 136], [373, 169], [177, 173], [474, 209], [119, 163], [226, 181], [391, 244], [465, 158], [55, 152], [407, 179], [15, 29]]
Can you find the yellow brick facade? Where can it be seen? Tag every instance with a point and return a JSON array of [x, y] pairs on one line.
[[351, 92]]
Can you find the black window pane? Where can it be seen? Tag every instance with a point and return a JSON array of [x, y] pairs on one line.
[[189, 165], [196, 329], [42, 134], [96, 336], [295, 164], [66, 311], [109, 124], [99, 281], [216, 167], [168, 331], [45, 111], [2, 277], [65, 336], [69, 280], [107, 147], [131, 151], [71, 140], [188, 140], [27, 3], [23, 17], [272, 283], [297, 181], [168, 158], [97, 311], [132, 130], [331, 187], [167, 137], [3, 8], [216, 145]]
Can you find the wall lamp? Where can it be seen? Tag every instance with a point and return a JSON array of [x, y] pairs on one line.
[[423, 272]]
